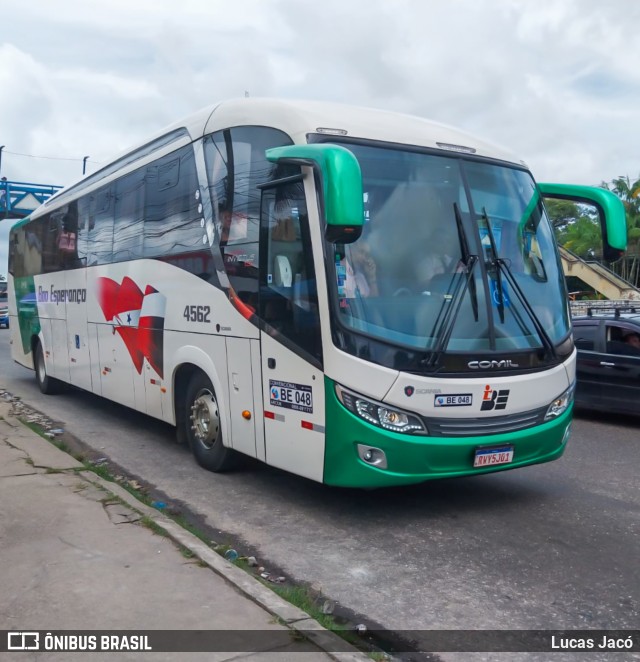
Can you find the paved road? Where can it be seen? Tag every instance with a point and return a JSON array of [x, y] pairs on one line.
[[552, 546]]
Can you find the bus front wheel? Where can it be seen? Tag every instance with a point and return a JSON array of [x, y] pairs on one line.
[[48, 385], [202, 427]]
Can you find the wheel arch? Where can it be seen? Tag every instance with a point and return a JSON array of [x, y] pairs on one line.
[[190, 360]]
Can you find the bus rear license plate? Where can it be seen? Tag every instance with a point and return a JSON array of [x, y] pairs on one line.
[[490, 457]]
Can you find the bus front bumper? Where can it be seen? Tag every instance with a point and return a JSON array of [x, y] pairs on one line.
[[417, 458]]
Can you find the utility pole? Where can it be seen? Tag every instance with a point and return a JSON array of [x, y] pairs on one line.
[[4, 193], [84, 164]]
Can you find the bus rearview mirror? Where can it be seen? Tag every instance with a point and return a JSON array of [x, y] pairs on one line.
[[611, 212], [340, 181]]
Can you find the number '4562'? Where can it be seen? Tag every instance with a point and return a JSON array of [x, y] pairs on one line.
[[197, 313]]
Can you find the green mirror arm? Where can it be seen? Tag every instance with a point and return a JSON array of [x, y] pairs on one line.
[[611, 209], [341, 178]]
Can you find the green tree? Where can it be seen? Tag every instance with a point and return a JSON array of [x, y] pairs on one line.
[[576, 227], [629, 192], [561, 213]]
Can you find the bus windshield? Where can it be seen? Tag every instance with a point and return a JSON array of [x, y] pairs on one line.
[[456, 254]]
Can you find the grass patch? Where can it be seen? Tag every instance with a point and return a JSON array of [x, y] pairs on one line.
[[186, 552], [138, 494], [305, 599], [153, 525], [34, 427], [103, 471], [181, 520], [99, 470], [150, 523], [301, 598], [38, 429]]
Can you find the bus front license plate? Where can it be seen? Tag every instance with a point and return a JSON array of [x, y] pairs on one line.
[[490, 457]]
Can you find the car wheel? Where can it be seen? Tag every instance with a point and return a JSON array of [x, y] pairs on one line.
[[202, 428], [48, 385]]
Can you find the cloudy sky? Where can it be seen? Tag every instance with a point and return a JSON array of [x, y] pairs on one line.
[[556, 81]]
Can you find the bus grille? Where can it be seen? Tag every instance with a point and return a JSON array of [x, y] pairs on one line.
[[477, 427]]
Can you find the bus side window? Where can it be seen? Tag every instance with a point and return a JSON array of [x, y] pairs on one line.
[[68, 233], [52, 257], [101, 204], [83, 229], [128, 228], [171, 218], [33, 247]]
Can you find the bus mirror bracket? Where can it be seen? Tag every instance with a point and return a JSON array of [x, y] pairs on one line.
[[613, 224], [338, 172]]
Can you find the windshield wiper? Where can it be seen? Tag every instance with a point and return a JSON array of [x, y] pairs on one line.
[[468, 259], [443, 327], [443, 330], [500, 266], [544, 336], [495, 265]]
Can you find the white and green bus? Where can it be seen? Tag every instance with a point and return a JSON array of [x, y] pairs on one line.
[[355, 296]]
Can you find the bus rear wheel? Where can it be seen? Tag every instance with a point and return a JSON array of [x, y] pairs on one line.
[[47, 385], [202, 427]]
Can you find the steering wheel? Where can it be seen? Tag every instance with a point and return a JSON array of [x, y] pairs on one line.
[[402, 291]]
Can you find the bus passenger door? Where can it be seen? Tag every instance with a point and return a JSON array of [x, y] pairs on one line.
[[77, 330], [291, 348]]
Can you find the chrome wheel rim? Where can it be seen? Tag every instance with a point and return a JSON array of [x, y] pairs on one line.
[[205, 418]]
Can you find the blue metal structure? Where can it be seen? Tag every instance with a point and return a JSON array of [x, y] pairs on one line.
[[19, 199]]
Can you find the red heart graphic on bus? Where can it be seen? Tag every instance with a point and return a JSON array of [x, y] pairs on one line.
[[137, 317]]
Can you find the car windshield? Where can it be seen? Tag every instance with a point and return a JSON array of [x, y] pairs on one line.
[[455, 254]]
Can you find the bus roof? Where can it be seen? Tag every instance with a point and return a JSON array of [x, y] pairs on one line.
[[298, 119]]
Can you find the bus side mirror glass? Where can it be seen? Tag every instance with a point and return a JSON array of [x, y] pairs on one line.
[[610, 210], [340, 182]]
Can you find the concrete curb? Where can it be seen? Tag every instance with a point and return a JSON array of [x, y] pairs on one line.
[[46, 454], [292, 616]]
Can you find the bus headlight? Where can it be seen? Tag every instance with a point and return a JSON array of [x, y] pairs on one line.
[[560, 404], [379, 414]]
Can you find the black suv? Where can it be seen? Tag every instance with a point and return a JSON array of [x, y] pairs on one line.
[[608, 372]]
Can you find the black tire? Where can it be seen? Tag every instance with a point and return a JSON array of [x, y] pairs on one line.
[[48, 385], [200, 419]]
